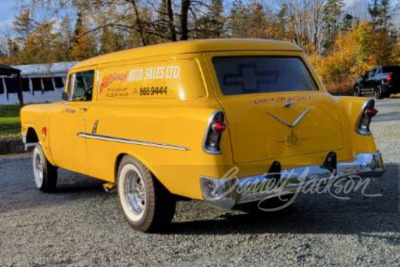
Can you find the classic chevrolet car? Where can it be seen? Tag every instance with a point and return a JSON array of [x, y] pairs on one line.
[[211, 120]]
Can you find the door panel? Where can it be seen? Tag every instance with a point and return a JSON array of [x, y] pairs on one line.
[[69, 150]]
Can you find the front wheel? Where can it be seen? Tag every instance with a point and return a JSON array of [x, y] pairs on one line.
[[147, 205], [44, 173]]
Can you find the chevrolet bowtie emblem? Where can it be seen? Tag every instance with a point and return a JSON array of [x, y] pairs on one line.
[[294, 124]]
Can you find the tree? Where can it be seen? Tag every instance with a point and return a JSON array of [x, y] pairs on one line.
[[165, 23], [257, 22], [331, 23], [374, 11], [83, 45], [347, 22], [385, 14], [65, 40], [108, 41], [299, 14], [23, 26], [211, 25], [279, 27], [45, 41], [239, 19], [318, 7], [185, 6], [14, 51]]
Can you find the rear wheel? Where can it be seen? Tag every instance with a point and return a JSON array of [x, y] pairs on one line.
[[147, 205], [379, 93], [44, 174], [357, 91]]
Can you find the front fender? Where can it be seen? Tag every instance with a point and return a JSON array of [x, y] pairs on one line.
[[34, 117]]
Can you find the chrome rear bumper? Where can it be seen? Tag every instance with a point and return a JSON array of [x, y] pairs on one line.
[[226, 193]]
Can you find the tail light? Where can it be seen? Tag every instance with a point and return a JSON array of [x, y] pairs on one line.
[[219, 126], [216, 126], [389, 78], [367, 113]]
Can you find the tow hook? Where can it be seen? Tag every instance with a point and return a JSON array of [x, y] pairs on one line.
[[109, 187]]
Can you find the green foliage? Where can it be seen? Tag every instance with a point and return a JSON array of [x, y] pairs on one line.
[[354, 52], [10, 124]]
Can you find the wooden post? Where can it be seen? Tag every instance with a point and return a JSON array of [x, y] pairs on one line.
[[20, 90]]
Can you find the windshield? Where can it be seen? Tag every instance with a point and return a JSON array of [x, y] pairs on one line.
[[249, 75]]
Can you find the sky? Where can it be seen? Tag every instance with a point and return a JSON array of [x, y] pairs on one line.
[[8, 10]]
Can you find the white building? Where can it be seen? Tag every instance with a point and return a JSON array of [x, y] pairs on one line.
[[40, 83]]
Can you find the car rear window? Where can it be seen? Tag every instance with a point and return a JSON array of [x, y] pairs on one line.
[[249, 75]]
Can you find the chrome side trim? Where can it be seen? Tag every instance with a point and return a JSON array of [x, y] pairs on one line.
[[366, 103], [226, 193], [130, 141]]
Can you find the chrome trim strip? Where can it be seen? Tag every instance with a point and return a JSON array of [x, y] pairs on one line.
[[96, 124], [294, 124], [366, 103], [289, 104], [226, 193], [130, 141]]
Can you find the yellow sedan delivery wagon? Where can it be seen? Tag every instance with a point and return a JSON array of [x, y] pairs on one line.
[[212, 120]]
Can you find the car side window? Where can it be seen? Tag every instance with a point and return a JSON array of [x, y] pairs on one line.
[[372, 73], [81, 86]]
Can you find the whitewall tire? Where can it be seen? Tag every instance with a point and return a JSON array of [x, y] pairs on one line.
[[44, 174], [147, 205]]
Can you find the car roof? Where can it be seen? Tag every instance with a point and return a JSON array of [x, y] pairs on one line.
[[185, 47]]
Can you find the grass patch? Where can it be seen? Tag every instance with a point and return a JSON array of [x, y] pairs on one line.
[[10, 124]]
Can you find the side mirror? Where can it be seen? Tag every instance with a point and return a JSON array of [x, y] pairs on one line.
[[64, 96]]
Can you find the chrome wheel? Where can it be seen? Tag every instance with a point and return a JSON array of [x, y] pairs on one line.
[[38, 168], [378, 93], [133, 192], [357, 92]]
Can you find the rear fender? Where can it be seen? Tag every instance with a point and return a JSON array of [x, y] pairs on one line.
[[352, 107]]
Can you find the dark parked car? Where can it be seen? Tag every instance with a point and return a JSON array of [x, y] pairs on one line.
[[382, 81]]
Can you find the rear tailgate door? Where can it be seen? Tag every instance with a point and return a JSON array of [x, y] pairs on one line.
[[274, 108]]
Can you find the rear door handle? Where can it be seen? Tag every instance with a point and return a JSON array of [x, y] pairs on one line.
[[83, 109]]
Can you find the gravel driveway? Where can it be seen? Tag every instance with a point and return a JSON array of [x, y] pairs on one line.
[[83, 226]]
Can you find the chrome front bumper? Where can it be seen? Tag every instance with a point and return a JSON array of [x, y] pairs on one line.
[[226, 193]]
